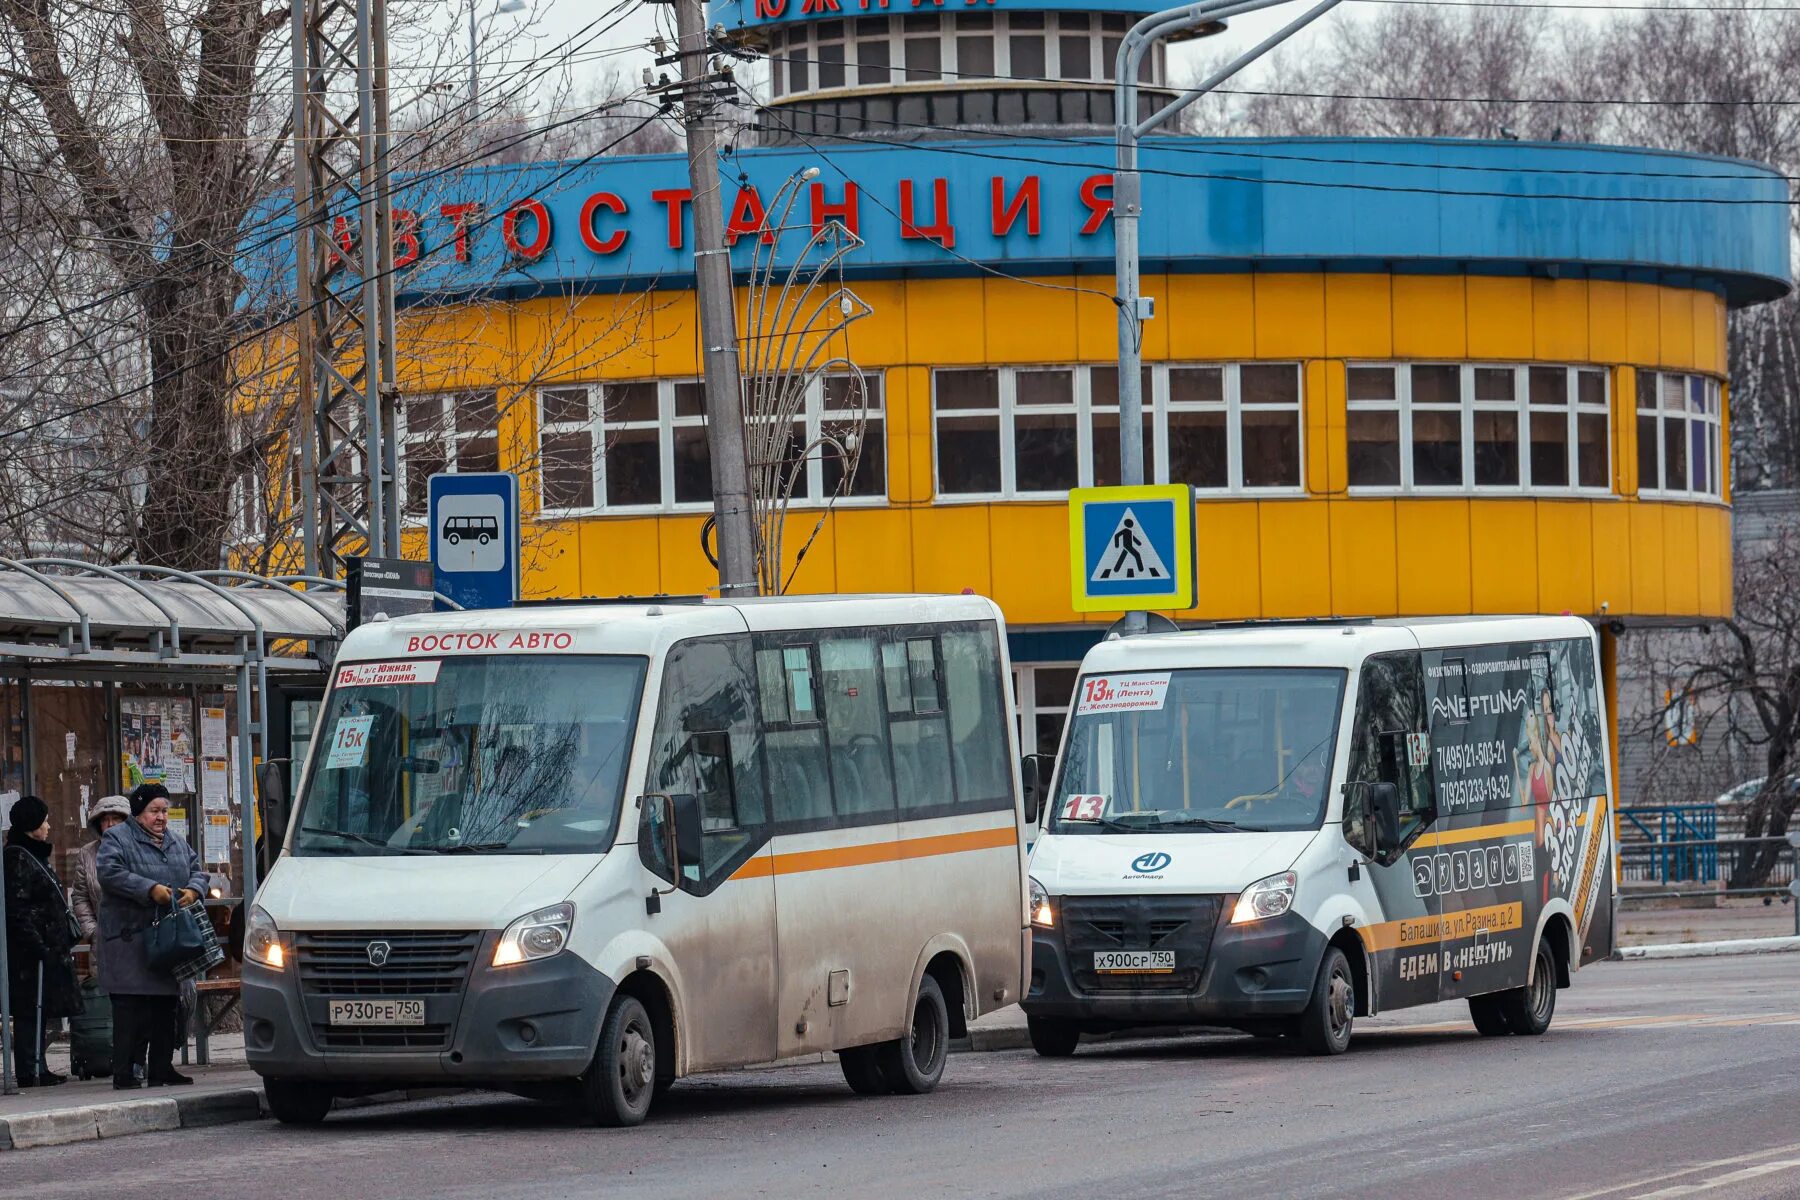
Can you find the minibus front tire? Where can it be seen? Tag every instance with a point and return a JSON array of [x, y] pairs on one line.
[[618, 1088], [1325, 1026], [1053, 1038], [296, 1102], [913, 1064], [1489, 1020]]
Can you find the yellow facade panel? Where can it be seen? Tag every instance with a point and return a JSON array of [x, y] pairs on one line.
[[1607, 341], [1649, 590], [874, 548], [879, 339], [675, 335], [1565, 547], [550, 560], [1559, 318], [1681, 557], [1711, 528], [1430, 316], [1027, 322], [1211, 316], [1611, 523], [909, 435], [1709, 333], [1228, 553], [1503, 556], [683, 569], [1359, 316], [1325, 448], [953, 549], [946, 324], [1676, 309], [1432, 540], [1097, 320], [1365, 568], [1290, 316], [809, 554], [1499, 317], [1296, 543], [1031, 556], [621, 556], [1643, 324], [1624, 431]]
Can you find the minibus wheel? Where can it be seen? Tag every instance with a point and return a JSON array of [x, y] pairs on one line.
[[621, 1082], [1489, 1020], [1324, 1028], [295, 1102], [862, 1070], [1053, 1038], [1528, 1009], [913, 1064]]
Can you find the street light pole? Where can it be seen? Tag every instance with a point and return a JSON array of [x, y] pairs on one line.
[[1127, 191], [506, 6]]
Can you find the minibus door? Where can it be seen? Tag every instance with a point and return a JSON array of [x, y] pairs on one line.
[[1389, 807]]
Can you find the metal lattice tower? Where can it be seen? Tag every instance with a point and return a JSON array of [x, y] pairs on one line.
[[345, 418]]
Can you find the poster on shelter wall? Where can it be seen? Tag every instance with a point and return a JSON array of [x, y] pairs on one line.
[[156, 743]]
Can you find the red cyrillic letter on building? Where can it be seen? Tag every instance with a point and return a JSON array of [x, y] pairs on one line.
[[406, 237], [594, 203], [458, 216], [540, 219], [747, 216], [1099, 207], [940, 230], [823, 211], [1007, 213], [675, 200]]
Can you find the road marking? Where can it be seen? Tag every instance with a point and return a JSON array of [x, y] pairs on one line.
[[1664, 1176], [1742, 1175]]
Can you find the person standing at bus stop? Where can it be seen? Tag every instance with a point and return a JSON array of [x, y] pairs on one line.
[[142, 870], [39, 939]]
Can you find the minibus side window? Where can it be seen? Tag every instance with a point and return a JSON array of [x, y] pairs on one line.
[[1390, 710], [978, 719], [708, 745], [916, 725], [850, 686], [793, 732]]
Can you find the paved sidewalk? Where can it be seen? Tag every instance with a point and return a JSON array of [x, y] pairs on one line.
[[1732, 920]]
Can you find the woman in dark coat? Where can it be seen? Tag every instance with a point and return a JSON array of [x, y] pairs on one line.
[[38, 941], [141, 868]]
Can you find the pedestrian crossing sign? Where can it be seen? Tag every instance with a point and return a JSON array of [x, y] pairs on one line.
[[1131, 548]]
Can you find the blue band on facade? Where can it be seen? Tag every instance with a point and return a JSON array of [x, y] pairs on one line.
[[1040, 206]]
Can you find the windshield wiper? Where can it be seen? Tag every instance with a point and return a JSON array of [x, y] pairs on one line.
[[360, 838], [480, 848], [1212, 824]]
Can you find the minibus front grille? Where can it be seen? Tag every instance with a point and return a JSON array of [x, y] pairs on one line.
[[416, 963], [1183, 924], [409, 1037]]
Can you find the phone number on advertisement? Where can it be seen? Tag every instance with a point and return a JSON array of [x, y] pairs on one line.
[[1475, 793]]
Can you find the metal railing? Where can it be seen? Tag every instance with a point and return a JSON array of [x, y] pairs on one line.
[[1679, 842]]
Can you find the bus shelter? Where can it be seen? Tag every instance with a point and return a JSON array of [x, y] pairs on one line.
[[113, 675]]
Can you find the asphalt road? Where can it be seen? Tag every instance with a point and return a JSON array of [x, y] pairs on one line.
[[1658, 1079]]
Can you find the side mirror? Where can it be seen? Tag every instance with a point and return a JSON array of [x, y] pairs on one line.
[[669, 832], [1035, 771], [1384, 807], [271, 790]]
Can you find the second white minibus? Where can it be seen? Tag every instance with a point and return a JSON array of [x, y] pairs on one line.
[[578, 852], [1282, 828]]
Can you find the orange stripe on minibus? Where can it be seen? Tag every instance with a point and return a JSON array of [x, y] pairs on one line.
[[1476, 833], [868, 853]]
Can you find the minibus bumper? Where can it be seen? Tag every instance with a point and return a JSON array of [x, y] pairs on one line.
[[530, 1022], [1253, 972]]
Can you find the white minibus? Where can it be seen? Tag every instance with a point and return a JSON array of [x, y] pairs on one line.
[[1279, 828], [579, 851]]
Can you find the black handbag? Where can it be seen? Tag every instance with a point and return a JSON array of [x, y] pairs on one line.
[[174, 939]]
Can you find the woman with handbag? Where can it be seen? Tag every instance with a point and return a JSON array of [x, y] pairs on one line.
[[40, 934], [145, 875]]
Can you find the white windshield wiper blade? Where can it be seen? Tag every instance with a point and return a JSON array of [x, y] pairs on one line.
[[360, 838], [1213, 824]]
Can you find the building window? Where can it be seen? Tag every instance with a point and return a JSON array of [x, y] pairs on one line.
[[1454, 427], [641, 445], [1679, 427], [1025, 431], [455, 432], [1044, 692]]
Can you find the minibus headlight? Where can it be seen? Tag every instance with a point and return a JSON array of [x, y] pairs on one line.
[[262, 941], [1042, 915], [1266, 898], [535, 935]]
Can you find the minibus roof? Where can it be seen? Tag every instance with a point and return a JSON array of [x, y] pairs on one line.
[[1319, 643], [634, 626]]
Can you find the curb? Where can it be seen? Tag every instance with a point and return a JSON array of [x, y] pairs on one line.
[[1731, 949]]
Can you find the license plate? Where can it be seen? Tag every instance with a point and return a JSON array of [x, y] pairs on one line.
[[1134, 962], [377, 1012]]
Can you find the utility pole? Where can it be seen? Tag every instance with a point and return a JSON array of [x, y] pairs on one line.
[[1134, 307], [346, 414], [699, 93]]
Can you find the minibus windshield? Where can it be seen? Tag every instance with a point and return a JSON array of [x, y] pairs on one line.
[[1199, 751], [478, 755]]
